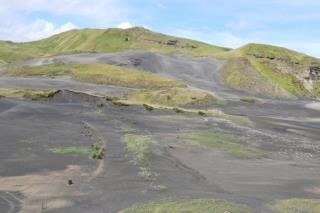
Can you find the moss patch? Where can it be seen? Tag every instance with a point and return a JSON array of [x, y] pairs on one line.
[[22, 93], [297, 206], [100, 74], [195, 206], [224, 142]]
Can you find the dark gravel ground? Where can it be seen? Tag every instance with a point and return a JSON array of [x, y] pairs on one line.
[[33, 179]]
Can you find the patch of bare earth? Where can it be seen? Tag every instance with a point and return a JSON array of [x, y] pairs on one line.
[[50, 190]]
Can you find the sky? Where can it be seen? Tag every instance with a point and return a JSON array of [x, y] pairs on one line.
[[294, 24]]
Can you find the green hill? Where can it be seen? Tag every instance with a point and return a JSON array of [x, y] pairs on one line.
[[109, 40]]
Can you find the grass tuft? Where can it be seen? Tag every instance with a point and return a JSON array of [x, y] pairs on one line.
[[97, 151]]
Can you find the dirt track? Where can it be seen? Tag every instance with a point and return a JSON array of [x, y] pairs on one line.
[[37, 178]]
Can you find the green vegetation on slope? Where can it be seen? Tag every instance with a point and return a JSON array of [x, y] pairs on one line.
[[269, 51], [286, 81], [267, 70], [224, 142], [105, 40], [99, 74], [238, 73], [194, 206], [172, 97], [22, 93], [297, 206]]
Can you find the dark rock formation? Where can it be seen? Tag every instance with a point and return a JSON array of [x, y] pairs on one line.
[[172, 42], [314, 73]]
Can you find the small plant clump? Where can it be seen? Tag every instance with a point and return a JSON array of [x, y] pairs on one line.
[[148, 107], [97, 151], [248, 100], [201, 113], [177, 110]]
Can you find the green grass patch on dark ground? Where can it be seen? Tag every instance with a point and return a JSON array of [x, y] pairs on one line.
[[194, 206], [100, 74], [227, 143], [71, 150], [96, 152], [248, 100], [173, 97], [139, 147], [297, 206]]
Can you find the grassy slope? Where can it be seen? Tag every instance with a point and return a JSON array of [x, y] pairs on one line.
[[264, 60], [109, 40]]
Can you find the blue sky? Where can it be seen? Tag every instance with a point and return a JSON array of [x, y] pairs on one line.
[[291, 23]]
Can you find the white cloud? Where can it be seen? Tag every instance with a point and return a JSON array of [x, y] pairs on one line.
[[33, 31], [101, 13], [17, 21], [125, 25]]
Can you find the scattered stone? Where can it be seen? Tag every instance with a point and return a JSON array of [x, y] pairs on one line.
[[70, 182], [100, 105]]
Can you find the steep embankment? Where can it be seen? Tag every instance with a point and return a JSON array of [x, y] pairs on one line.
[[270, 70]]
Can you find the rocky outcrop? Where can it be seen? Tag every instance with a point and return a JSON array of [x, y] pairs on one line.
[[314, 73]]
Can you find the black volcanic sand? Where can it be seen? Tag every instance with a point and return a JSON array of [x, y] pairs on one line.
[[29, 129], [33, 179]]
